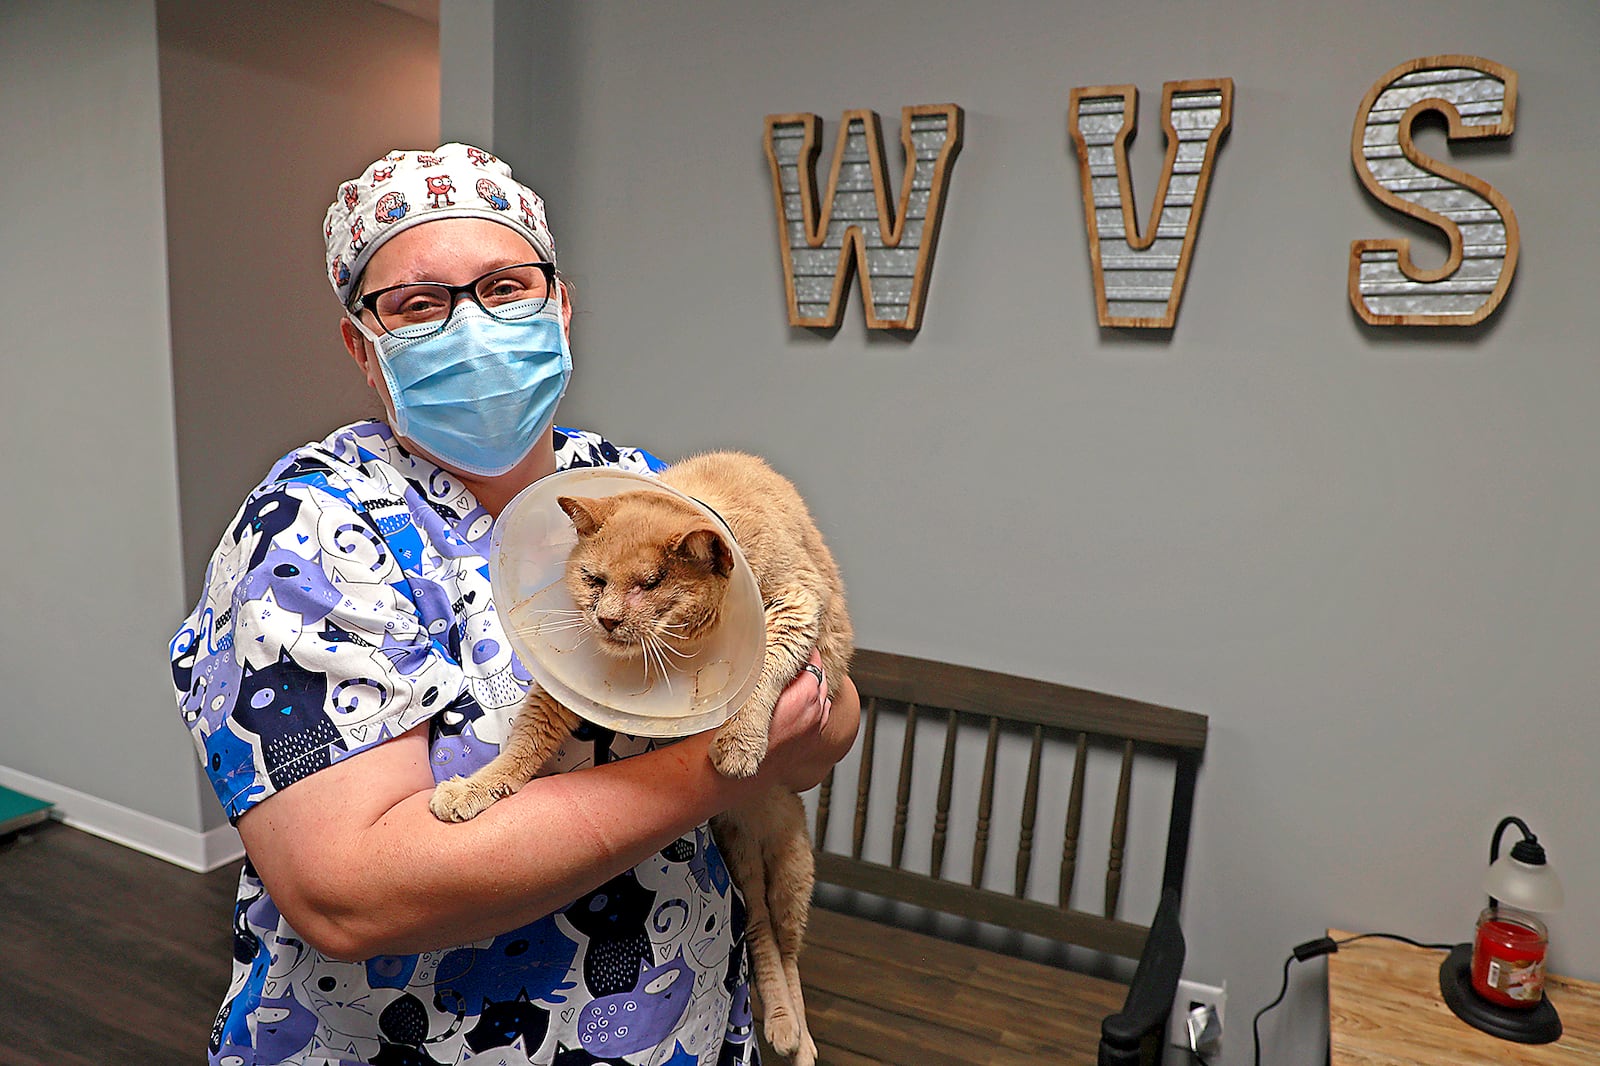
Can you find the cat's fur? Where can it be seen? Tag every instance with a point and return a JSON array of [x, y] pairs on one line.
[[648, 570]]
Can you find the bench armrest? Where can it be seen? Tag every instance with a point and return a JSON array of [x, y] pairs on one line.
[[1123, 1036]]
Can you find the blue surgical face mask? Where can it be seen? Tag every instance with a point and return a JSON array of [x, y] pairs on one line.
[[479, 393]]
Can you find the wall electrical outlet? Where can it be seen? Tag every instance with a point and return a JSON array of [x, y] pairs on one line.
[[1192, 994]]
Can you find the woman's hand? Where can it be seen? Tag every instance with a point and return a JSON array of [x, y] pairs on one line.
[[809, 731]]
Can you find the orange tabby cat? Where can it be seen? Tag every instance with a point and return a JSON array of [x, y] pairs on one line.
[[649, 574]]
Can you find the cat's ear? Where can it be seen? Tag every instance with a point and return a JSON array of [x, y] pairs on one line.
[[587, 515], [704, 546]]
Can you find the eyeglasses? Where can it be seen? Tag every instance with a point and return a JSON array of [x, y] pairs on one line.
[[421, 309]]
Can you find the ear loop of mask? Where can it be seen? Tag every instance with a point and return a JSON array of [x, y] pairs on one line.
[[396, 422]]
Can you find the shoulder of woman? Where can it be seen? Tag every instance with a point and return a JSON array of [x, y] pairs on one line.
[[581, 447]]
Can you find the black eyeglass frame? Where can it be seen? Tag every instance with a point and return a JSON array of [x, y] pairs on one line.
[[369, 301]]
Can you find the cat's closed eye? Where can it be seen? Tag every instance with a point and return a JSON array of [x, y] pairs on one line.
[[593, 580], [652, 581]]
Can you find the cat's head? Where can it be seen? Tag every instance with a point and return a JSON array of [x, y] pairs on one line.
[[646, 568]]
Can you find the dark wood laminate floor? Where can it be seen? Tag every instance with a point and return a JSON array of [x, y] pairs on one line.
[[880, 996], [107, 956]]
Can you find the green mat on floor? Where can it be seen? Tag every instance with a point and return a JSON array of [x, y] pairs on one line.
[[18, 811]]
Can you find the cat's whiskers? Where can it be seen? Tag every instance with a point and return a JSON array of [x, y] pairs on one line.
[[680, 631], [662, 645], [554, 615], [645, 659], [549, 627], [576, 620], [693, 627], [652, 645], [661, 661]]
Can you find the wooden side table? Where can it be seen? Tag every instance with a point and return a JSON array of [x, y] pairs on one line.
[[1385, 1009]]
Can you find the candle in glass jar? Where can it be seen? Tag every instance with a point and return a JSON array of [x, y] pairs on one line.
[[1508, 957]]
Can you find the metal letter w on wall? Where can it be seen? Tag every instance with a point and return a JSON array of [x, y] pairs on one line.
[[854, 230]]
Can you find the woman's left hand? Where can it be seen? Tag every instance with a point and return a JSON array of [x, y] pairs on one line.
[[810, 731]]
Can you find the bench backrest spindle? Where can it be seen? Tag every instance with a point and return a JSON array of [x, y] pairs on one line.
[[1119, 832], [980, 846], [1069, 846], [903, 793], [1030, 811], [941, 818], [824, 802], [869, 732]]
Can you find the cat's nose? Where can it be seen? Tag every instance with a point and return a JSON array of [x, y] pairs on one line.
[[609, 623]]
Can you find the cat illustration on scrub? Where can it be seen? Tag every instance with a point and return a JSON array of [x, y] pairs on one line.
[[650, 573]]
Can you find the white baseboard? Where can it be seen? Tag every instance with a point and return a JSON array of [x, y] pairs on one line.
[[189, 848]]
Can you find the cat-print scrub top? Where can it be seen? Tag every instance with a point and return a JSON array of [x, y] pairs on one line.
[[348, 603]]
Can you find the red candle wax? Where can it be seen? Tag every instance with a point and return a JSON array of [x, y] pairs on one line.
[[1508, 958]]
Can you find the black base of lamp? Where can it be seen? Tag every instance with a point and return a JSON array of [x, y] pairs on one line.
[[1538, 1025]]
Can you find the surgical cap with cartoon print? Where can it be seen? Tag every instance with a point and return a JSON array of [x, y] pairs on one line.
[[407, 187]]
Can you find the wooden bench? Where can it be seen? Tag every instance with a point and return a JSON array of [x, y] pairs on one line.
[[878, 992]]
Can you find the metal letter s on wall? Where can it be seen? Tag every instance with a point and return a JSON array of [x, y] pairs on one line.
[[1478, 99]]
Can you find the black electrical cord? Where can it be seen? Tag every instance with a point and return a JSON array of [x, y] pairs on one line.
[[1324, 946]]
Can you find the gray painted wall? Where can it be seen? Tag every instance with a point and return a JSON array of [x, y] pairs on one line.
[[94, 579], [265, 109], [157, 150], [1367, 555]]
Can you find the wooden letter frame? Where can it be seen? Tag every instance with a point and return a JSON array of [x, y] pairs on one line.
[[1137, 241], [1402, 245], [891, 228]]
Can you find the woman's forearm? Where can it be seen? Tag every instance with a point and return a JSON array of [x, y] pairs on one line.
[[409, 882], [359, 865]]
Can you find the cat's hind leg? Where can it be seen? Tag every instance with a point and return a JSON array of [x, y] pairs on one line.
[[741, 849], [792, 617], [791, 876], [536, 734]]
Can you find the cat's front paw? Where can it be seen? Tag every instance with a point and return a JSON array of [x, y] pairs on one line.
[[735, 755], [462, 799]]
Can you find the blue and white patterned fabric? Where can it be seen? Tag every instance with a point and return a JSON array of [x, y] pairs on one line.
[[348, 603]]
